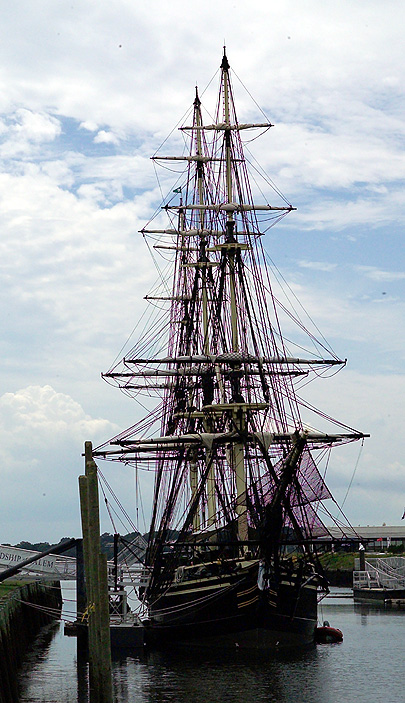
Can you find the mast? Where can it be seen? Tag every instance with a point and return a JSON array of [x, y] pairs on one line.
[[204, 295], [230, 225], [237, 453]]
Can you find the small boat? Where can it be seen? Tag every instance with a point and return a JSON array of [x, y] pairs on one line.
[[231, 556], [327, 634]]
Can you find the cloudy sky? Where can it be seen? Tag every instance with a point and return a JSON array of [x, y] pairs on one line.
[[88, 91]]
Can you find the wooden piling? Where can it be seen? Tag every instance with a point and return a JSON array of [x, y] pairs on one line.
[[84, 510], [104, 625], [95, 565]]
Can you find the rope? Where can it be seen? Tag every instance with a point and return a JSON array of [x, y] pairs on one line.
[[55, 613], [354, 472]]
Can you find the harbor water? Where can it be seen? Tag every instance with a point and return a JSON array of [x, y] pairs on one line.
[[366, 666]]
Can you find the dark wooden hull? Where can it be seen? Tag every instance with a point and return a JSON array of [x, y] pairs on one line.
[[231, 611]]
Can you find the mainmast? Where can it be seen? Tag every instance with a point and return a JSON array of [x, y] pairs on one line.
[[236, 454]]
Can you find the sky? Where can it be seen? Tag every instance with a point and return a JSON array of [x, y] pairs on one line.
[[88, 92]]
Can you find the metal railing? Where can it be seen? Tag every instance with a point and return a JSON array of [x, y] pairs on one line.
[[381, 573]]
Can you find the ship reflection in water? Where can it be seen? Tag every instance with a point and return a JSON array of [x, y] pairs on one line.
[[369, 660]]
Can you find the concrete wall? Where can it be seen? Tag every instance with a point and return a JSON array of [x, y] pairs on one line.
[[19, 625]]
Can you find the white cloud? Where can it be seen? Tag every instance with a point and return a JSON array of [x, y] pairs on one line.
[[36, 127], [26, 133], [42, 434], [89, 125], [317, 265], [379, 275], [373, 404], [103, 137], [47, 416]]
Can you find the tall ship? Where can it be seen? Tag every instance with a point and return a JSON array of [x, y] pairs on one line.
[[231, 556]]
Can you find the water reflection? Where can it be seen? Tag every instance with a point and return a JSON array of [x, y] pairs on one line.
[[36, 657], [368, 660], [374, 609], [200, 677]]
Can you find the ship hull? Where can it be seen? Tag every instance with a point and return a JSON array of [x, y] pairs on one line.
[[234, 612], [277, 632]]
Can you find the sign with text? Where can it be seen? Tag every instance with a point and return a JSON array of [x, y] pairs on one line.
[[49, 564]]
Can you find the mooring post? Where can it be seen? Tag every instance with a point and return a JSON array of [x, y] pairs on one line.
[[91, 635], [104, 624], [94, 549], [96, 586]]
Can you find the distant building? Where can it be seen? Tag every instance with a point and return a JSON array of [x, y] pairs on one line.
[[375, 538]]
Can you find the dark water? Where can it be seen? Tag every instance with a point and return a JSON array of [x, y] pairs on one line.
[[367, 667]]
